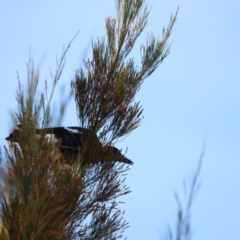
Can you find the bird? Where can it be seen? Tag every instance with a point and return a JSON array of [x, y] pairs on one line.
[[73, 140]]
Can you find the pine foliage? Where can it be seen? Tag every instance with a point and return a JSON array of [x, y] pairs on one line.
[[42, 197]]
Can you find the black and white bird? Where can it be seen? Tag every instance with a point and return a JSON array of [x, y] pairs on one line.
[[70, 141]]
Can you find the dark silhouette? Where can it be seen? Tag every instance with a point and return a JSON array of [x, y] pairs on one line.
[[70, 141]]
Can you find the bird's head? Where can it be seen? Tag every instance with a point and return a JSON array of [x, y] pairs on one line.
[[115, 155], [13, 137]]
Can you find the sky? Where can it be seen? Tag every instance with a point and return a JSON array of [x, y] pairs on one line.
[[194, 96]]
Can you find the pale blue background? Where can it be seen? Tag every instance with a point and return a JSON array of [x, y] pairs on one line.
[[194, 94]]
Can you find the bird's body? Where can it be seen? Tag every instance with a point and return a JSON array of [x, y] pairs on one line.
[[74, 140]]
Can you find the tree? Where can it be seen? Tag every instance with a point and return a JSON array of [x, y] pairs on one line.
[[45, 199], [183, 228]]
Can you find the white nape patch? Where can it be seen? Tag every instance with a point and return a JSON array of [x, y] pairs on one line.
[[51, 138], [68, 147], [72, 130]]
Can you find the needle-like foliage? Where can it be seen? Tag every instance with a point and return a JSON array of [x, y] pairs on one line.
[[43, 197], [105, 89], [183, 229]]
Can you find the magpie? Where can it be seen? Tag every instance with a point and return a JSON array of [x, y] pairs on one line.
[[70, 141]]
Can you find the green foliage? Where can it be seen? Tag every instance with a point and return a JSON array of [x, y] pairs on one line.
[[183, 229], [44, 196]]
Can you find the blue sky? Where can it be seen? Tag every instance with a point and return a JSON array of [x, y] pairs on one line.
[[194, 95]]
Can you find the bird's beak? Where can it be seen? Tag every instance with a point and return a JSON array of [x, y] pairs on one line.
[[126, 160]]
